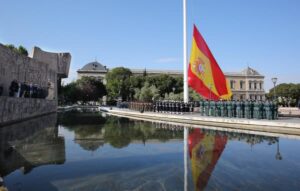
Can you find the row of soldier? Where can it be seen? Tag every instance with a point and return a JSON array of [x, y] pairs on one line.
[[140, 106], [22, 89], [175, 107], [239, 109], [232, 109]]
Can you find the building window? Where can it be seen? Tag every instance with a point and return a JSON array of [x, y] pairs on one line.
[[242, 85], [255, 85], [232, 82], [250, 85], [260, 86]]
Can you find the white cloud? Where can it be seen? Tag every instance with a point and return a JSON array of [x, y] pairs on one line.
[[167, 60]]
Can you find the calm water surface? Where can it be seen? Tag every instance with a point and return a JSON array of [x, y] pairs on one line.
[[90, 151]]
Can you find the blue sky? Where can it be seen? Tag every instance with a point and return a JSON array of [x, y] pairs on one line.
[[262, 34]]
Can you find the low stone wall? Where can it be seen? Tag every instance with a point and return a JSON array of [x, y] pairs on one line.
[[16, 109]]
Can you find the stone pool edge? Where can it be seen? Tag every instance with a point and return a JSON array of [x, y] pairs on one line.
[[275, 126]]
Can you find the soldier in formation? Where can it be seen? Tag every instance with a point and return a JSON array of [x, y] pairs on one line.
[[173, 107], [232, 109], [239, 109]]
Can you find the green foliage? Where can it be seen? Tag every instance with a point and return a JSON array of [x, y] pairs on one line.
[[147, 93], [173, 96], [23, 50], [286, 93], [20, 49], [86, 89], [11, 47], [194, 96], [119, 83]]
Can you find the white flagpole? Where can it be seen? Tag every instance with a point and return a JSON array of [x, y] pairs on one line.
[[185, 94], [185, 65]]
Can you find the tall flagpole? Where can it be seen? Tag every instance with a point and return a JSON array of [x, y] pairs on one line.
[[185, 94], [185, 65]]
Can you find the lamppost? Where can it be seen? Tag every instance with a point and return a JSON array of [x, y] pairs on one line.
[[174, 89], [274, 80], [278, 155]]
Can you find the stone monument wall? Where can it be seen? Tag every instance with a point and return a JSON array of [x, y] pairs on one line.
[[41, 69], [14, 66], [14, 109]]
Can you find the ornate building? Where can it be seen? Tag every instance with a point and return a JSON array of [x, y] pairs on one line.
[[247, 84], [93, 69]]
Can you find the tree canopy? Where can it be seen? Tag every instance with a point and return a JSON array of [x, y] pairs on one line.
[[21, 50], [286, 93], [85, 89], [118, 83]]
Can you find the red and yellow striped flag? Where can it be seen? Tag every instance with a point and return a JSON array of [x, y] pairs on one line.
[[204, 74]]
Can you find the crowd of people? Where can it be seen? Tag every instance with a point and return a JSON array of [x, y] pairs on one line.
[[23, 89], [232, 109]]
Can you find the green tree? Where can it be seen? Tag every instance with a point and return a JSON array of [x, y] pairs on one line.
[[85, 89], [147, 93], [21, 49], [286, 93], [118, 83], [90, 89], [164, 83]]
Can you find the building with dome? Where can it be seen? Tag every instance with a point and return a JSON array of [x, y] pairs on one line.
[[93, 69], [247, 84]]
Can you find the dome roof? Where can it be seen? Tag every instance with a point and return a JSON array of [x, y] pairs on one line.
[[250, 71], [93, 66]]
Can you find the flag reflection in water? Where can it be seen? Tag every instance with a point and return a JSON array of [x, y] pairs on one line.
[[205, 151]]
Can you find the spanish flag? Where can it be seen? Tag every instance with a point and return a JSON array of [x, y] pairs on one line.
[[204, 73], [205, 151]]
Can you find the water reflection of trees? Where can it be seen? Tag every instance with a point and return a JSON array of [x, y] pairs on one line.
[[92, 130]]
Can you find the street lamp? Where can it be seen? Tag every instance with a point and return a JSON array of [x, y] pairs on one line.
[[274, 80], [278, 155]]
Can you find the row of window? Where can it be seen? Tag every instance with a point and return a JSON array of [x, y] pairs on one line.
[[243, 97], [252, 85]]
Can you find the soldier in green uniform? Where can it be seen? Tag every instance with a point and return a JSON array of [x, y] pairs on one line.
[[247, 110], [222, 109], [201, 107], [260, 111], [206, 107], [256, 110], [218, 108], [229, 108], [212, 108], [267, 107], [233, 108], [238, 109], [275, 108], [242, 109], [251, 107]]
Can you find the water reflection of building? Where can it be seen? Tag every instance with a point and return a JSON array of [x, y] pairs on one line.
[[30, 144], [89, 141], [205, 151]]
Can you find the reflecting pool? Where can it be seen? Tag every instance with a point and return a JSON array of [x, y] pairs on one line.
[[92, 151]]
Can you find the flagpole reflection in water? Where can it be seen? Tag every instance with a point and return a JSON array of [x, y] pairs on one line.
[[185, 145]]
